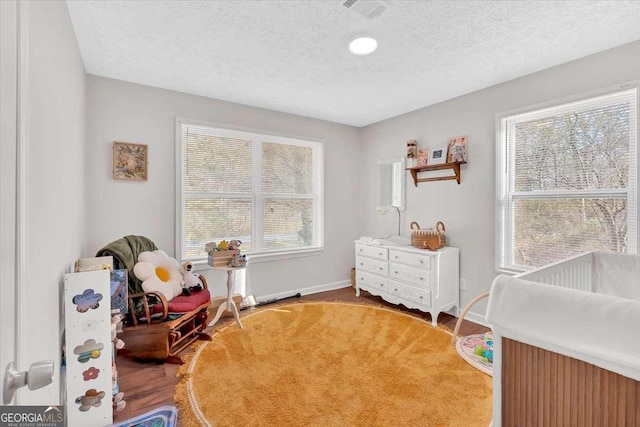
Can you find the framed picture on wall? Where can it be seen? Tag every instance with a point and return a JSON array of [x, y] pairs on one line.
[[130, 161], [438, 155]]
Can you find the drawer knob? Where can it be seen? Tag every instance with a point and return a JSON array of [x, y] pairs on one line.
[[380, 253], [422, 278], [361, 263], [396, 257], [421, 261], [396, 272], [362, 278], [382, 285], [421, 297], [395, 289], [381, 268]]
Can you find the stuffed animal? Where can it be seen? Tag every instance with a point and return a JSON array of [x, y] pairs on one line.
[[191, 283], [238, 260], [117, 342], [211, 247], [234, 245]]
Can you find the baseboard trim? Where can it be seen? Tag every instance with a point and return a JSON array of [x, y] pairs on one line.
[[476, 318], [306, 291]]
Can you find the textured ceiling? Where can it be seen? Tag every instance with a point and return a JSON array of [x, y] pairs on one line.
[[292, 56]]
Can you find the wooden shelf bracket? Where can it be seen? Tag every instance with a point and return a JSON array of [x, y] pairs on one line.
[[455, 167]]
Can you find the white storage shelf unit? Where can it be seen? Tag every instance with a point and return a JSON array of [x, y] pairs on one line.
[[416, 278]]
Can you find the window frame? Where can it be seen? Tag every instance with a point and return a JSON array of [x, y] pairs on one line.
[[257, 136], [505, 160]]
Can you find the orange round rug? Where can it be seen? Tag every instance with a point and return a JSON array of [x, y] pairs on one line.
[[332, 364]]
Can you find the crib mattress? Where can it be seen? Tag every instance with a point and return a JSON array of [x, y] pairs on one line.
[[599, 329]]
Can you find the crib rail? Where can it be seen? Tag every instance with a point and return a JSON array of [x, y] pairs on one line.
[[573, 273]]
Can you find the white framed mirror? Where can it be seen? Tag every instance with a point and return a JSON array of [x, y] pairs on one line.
[[391, 183]]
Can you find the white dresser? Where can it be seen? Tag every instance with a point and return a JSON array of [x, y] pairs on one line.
[[416, 278]]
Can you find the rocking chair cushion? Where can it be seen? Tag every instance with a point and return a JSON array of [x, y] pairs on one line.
[[184, 304]]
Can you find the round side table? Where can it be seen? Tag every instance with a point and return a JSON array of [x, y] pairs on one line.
[[229, 304]]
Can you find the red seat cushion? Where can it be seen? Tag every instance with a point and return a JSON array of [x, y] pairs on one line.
[[185, 304]]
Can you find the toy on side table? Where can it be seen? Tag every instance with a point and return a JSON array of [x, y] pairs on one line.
[[226, 253]]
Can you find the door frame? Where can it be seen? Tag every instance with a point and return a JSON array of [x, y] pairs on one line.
[[14, 184]]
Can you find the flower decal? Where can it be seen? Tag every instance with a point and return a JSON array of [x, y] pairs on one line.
[[91, 373], [159, 273]]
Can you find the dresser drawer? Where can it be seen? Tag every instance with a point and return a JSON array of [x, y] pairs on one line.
[[416, 259], [373, 265], [372, 252], [372, 281], [420, 296], [409, 274]]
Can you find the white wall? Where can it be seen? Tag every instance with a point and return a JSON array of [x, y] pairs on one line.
[[468, 209], [55, 215], [120, 111]]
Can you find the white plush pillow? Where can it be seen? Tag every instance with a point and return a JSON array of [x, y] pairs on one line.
[[159, 273]]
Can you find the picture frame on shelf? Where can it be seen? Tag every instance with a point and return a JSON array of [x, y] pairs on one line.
[[423, 157], [438, 155], [457, 150], [130, 161]]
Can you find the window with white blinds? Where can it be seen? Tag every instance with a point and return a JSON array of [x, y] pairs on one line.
[[567, 181], [265, 190]]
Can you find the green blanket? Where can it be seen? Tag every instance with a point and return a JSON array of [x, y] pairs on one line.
[[125, 253]]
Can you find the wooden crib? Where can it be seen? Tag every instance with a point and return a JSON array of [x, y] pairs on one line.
[[567, 343]]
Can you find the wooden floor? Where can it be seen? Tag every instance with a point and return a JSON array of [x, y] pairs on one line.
[[149, 385]]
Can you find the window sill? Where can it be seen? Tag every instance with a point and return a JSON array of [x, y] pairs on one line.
[[202, 264]]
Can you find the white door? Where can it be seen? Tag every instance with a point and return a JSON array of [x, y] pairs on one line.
[[13, 75]]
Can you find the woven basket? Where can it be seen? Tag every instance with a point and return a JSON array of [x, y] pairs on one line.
[[432, 238]]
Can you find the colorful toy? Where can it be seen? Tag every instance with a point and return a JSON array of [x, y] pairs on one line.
[[238, 260], [223, 246], [485, 350]]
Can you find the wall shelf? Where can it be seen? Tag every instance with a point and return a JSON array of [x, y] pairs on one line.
[[453, 166]]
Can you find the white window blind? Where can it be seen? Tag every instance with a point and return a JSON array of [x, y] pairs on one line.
[[567, 181], [265, 190]]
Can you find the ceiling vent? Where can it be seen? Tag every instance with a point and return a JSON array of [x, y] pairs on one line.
[[368, 9]]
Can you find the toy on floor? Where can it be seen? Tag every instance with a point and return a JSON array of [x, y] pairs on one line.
[[485, 350], [191, 283]]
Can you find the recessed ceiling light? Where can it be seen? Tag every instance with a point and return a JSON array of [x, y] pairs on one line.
[[363, 46]]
